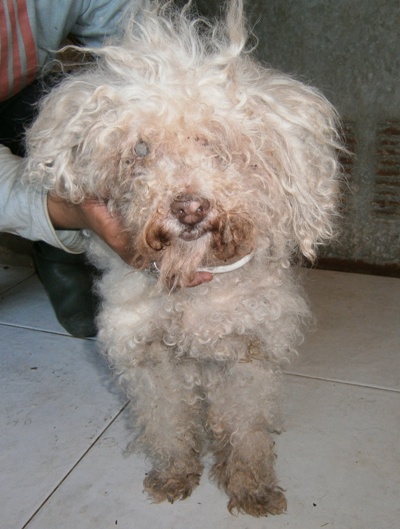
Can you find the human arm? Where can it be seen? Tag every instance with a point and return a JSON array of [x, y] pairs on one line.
[[23, 210], [90, 215], [36, 215]]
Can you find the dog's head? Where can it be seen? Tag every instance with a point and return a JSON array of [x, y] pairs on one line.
[[204, 154]]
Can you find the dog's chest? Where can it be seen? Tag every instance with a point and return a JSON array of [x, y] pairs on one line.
[[206, 316]]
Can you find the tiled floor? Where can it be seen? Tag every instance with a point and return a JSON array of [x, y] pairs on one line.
[[63, 428]]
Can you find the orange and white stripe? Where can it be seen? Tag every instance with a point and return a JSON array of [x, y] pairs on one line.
[[18, 57]]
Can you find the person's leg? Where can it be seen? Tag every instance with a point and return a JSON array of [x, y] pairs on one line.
[[67, 278]]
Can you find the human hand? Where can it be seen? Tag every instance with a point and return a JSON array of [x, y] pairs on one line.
[[91, 215]]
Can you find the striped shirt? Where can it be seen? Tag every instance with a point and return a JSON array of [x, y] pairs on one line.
[[18, 57], [32, 30]]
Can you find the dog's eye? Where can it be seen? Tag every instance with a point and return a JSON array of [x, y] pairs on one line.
[[142, 149]]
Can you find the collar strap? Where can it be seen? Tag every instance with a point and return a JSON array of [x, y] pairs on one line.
[[154, 270], [230, 267]]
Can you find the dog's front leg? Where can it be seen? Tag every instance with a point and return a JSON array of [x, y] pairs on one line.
[[240, 418], [168, 408]]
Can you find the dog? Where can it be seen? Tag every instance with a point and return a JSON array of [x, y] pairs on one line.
[[214, 163]]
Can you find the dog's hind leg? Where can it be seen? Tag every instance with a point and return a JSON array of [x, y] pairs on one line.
[[240, 418], [168, 411]]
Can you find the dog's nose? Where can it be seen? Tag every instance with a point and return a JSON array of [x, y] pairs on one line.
[[190, 210]]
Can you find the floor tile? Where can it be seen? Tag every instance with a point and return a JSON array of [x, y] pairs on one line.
[[62, 439], [27, 305], [357, 332], [12, 275], [337, 461], [56, 397]]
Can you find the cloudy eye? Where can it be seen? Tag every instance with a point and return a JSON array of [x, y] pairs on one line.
[[142, 149]]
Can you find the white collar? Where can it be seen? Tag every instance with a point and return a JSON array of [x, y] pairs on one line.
[[229, 267], [154, 270]]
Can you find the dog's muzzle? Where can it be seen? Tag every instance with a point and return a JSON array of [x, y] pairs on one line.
[[190, 210], [192, 213]]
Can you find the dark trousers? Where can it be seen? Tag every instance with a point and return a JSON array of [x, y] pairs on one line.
[[19, 111]]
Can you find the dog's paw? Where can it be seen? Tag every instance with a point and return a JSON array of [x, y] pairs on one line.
[[262, 503], [161, 486], [251, 490]]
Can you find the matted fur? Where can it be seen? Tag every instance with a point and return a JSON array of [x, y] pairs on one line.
[[179, 113]]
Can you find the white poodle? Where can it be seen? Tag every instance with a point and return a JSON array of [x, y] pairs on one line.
[[215, 163]]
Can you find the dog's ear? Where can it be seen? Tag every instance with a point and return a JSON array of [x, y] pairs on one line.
[[64, 142], [298, 144]]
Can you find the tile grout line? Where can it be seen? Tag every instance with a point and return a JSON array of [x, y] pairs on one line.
[[300, 375], [293, 374], [344, 382], [14, 285], [74, 466], [36, 329], [28, 328]]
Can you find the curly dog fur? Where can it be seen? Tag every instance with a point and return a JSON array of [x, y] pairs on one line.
[[207, 157]]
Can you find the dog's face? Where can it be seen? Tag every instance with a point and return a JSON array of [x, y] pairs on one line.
[[185, 194], [205, 155], [182, 186]]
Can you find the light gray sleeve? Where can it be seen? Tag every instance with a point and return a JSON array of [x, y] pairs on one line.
[[23, 209], [101, 19]]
